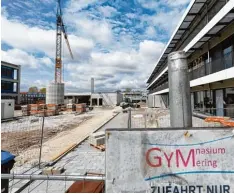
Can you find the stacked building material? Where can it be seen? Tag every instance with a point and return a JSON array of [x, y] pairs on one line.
[[97, 139], [52, 109], [80, 107], [70, 107], [25, 110], [33, 109]]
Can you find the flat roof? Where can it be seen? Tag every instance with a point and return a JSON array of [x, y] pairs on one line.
[[191, 12], [223, 18], [78, 94], [10, 64]]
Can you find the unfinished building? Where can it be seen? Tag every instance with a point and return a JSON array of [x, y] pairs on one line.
[[95, 99]]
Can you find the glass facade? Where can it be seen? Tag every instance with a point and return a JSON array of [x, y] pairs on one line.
[[218, 102]]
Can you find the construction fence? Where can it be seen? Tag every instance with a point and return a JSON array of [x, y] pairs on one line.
[[18, 135], [160, 118]]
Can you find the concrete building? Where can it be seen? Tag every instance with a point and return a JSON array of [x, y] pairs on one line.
[[95, 99], [32, 98], [206, 34], [136, 96], [10, 81]]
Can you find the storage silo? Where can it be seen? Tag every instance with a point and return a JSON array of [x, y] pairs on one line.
[[55, 93]]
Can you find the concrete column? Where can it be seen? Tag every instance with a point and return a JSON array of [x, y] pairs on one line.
[[18, 84], [97, 101], [179, 90]]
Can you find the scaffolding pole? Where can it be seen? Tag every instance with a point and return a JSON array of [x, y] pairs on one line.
[[53, 177]]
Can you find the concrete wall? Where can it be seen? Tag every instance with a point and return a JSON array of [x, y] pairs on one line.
[[109, 99], [157, 101]]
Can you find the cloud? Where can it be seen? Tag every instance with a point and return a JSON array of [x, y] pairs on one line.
[[100, 31], [116, 42], [75, 6], [17, 56], [118, 69], [107, 11], [155, 5], [165, 21], [34, 39]]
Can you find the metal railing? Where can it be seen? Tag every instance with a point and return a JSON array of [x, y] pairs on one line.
[[214, 66], [53, 177], [161, 87], [227, 112]]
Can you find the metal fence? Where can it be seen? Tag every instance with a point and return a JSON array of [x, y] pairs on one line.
[[160, 118], [18, 136], [54, 183]]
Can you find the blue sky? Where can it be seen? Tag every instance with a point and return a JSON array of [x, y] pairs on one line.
[[115, 41]]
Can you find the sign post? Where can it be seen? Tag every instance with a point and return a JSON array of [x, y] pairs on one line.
[[199, 160]]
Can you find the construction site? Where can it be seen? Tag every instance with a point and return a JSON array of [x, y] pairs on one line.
[[176, 138]]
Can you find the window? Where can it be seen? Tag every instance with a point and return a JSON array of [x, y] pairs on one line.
[[229, 102], [227, 57]]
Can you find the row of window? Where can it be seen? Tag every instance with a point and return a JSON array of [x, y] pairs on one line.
[[8, 87], [216, 102], [219, 58]]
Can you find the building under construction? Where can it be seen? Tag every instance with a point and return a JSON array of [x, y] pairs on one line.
[[206, 34]]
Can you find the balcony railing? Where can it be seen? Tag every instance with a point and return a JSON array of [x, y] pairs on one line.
[[205, 68], [214, 66], [159, 88]]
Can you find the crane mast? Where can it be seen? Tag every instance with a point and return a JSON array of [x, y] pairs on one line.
[[58, 56]]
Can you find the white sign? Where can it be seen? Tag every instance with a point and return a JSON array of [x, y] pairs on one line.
[[170, 160]]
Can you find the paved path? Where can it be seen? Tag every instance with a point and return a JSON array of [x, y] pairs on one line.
[[81, 160]]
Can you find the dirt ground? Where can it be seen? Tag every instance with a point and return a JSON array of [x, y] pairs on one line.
[[18, 141], [22, 138]]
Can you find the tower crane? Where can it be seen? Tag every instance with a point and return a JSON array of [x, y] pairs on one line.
[[58, 58]]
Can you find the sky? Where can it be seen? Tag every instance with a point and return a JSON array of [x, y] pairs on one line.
[[117, 42]]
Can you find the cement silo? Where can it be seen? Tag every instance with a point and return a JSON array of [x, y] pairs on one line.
[[55, 93]]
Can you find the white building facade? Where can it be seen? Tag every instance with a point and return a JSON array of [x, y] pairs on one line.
[[206, 34]]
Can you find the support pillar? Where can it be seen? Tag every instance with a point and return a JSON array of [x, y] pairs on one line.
[[179, 90], [97, 101]]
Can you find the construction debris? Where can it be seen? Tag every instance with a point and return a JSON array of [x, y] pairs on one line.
[[97, 139], [100, 147], [40, 109], [52, 170]]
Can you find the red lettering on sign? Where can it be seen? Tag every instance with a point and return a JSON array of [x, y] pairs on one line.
[[168, 159], [185, 163], [179, 159], [159, 160]]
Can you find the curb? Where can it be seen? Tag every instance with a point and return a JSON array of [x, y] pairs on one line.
[[76, 145]]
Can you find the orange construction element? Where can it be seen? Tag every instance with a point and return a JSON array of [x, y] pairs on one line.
[[223, 120], [228, 123], [216, 119]]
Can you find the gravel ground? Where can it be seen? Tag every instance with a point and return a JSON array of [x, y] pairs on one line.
[[64, 138]]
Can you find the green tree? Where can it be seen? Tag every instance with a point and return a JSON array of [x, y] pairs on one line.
[[128, 90], [33, 89], [43, 90]]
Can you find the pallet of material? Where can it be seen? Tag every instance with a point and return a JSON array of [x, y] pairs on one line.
[[51, 112], [52, 107], [100, 147], [98, 134], [71, 107], [25, 110], [52, 170], [33, 107]]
